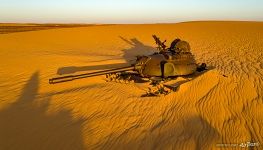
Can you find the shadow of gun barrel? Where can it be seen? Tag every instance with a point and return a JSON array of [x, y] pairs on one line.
[[86, 75]]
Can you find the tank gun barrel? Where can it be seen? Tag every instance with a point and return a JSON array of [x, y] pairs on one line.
[[86, 75]]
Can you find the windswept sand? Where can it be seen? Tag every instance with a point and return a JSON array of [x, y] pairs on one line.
[[222, 105]]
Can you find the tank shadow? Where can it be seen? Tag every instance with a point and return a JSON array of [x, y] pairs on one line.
[[138, 48], [25, 124], [75, 69]]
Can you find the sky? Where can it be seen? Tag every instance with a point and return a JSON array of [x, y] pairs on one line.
[[128, 11]]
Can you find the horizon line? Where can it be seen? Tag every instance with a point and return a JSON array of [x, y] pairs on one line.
[[84, 23]]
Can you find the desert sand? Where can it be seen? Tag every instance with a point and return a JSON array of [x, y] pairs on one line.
[[224, 105]]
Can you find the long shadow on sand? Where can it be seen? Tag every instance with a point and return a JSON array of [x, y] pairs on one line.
[[25, 124], [137, 48]]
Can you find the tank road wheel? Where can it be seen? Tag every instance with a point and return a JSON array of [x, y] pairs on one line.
[[110, 77], [122, 77]]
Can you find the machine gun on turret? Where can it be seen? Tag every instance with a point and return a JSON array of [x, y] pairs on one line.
[[161, 45]]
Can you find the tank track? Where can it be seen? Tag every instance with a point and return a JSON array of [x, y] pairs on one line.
[[156, 87]]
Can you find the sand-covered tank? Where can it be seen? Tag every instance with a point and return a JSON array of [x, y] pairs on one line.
[[177, 60]]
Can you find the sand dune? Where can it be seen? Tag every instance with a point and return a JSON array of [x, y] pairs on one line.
[[221, 106]]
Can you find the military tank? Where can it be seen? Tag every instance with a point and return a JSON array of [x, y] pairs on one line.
[[157, 68]]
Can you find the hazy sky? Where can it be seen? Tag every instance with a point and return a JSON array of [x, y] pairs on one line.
[[128, 11]]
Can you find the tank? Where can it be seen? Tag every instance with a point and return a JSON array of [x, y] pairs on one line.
[[177, 60]]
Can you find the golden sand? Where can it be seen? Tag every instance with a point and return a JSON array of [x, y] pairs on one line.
[[223, 105]]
